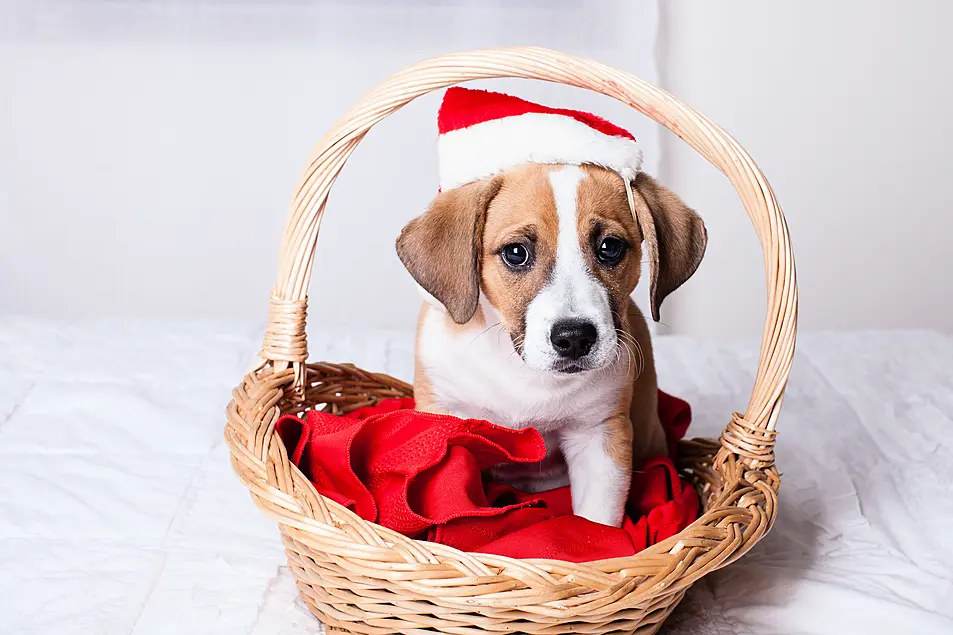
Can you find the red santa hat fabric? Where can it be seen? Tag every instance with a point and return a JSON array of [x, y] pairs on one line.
[[482, 133]]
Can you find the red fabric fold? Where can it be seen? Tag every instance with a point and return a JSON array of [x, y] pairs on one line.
[[422, 475]]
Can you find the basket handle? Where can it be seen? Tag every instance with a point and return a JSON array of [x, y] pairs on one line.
[[749, 436]]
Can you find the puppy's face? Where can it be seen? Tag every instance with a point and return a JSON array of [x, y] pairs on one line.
[[561, 254], [556, 251]]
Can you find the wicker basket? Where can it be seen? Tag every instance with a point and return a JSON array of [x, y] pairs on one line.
[[359, 577]]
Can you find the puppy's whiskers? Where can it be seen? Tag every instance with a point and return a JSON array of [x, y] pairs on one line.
[[620, 349], [517, 344], [630, 342], [633, 348], [629, 356], [481, 333], [647, 320]]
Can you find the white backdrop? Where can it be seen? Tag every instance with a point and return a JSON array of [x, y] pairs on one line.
[[846, 107], [148, 151]]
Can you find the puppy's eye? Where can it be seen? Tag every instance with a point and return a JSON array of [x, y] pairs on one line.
[[516, 255], [610, 250]]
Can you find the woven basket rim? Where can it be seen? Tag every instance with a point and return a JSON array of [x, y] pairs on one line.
[[338, 514]]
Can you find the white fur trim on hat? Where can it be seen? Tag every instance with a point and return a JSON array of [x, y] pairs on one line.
[[490, 147]]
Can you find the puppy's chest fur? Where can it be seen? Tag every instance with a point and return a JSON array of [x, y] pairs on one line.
[[474, 372]]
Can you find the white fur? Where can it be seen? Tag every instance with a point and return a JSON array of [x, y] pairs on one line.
[[598, 483], [490, 147], [574, 292], [476, 373]]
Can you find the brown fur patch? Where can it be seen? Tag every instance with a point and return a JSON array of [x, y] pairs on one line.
[[618, 440], [442, 249], [633, 430], [603, 211], [648, 437], [425, 400], [523, 211], [675, 237]]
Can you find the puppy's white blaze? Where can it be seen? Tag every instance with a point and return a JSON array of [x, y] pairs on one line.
[[573, 293]]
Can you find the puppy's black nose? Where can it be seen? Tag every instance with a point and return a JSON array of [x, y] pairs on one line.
[[572, 338]]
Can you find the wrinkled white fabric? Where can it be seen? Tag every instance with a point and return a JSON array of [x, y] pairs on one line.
[[119, 512]]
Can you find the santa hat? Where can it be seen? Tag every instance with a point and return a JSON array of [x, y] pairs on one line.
[[483, 133]]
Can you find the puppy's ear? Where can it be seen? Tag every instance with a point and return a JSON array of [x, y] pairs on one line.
[[442, 248], [675, 237]]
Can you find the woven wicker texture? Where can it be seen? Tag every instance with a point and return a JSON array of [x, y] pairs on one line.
[[362, 578]]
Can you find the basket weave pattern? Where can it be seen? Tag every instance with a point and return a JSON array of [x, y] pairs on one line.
[[363, 578]]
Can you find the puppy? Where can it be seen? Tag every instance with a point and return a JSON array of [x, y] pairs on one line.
[[528, 319]]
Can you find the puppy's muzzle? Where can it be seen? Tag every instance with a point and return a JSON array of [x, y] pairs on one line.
[[573, 339]]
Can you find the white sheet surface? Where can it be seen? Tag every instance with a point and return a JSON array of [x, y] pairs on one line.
[[119, 512]]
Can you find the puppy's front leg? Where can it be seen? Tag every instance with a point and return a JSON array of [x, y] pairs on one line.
[[600, 469]]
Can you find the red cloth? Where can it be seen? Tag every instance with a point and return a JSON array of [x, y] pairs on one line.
[[421, 474]]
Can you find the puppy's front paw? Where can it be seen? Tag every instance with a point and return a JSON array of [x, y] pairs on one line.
[[605, 514], [600, 486]]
